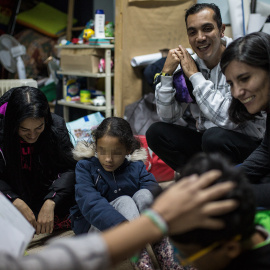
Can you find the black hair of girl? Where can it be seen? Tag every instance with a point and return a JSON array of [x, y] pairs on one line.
[[254, 50], [28, 102], [119, 128]]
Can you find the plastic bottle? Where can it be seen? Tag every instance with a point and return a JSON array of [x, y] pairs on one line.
[[21, 68], [85, 96], [100, 23]]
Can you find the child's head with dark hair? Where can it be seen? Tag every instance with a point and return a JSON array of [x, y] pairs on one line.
[[239, 224], [119, 128], [114, 140]]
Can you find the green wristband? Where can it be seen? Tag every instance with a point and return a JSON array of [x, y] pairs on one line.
[[157, 220]]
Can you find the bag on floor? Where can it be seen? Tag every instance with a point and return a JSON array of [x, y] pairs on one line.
[[155, 165]]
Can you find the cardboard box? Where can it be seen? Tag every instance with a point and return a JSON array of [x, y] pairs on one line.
[[81, 60]]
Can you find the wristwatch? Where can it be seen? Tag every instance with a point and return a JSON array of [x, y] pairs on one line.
[[161, 74], [165, 74]]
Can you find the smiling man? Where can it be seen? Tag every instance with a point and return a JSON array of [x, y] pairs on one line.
[[214, 132]]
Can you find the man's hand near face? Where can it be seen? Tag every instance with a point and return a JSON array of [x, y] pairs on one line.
[[187, 62], [172, 62]]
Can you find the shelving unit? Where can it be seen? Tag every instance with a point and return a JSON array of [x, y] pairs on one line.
[[107, 75]]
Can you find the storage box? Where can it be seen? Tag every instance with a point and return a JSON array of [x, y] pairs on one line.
[[81, 60]]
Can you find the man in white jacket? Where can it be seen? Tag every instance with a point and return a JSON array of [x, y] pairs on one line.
[[175, 144]]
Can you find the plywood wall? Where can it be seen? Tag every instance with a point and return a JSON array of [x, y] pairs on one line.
[[143, 27]]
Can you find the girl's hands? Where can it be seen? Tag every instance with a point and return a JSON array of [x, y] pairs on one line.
[[45, 221], [189, 203], [26, 211]]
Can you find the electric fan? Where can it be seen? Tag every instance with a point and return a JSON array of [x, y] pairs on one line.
[[10, 55]]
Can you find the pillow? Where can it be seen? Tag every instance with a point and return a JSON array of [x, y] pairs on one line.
[[45, 19]]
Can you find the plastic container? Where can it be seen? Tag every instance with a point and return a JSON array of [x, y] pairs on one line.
[[73, 90], [49, 91], [100, 23], [85, 96]]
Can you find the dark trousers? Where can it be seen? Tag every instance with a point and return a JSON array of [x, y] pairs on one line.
[[175, 144]]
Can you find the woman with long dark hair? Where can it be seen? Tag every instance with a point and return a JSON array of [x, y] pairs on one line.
[[36, 163], [246, 65]]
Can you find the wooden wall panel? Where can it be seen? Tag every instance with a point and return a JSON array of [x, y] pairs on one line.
[[143, 27]]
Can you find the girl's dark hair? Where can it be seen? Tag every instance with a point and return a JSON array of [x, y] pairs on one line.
[[120, 128], [29, 102], [196, 8], [253, 50]]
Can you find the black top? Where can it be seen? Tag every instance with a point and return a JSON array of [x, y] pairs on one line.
[[44, 174]]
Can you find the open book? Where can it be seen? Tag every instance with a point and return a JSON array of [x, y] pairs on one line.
[[15, 231]]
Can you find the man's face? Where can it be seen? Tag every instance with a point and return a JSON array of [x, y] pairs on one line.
[[205, 37]]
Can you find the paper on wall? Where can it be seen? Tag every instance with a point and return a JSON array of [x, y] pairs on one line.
[[236, 15], [263, 8], [266, 28], [256, 22]]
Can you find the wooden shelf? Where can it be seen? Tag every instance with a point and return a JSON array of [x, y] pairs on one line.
[[81, 105], [107, 75], [84, 74], [85, 46]]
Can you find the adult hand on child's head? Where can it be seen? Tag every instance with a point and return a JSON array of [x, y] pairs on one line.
[[45, 221], [26, 211], [190, 203]]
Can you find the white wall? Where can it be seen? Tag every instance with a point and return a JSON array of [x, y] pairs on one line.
[[224, 8]]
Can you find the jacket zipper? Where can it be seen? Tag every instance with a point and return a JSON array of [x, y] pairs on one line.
[[97, 179], [117, 189]]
